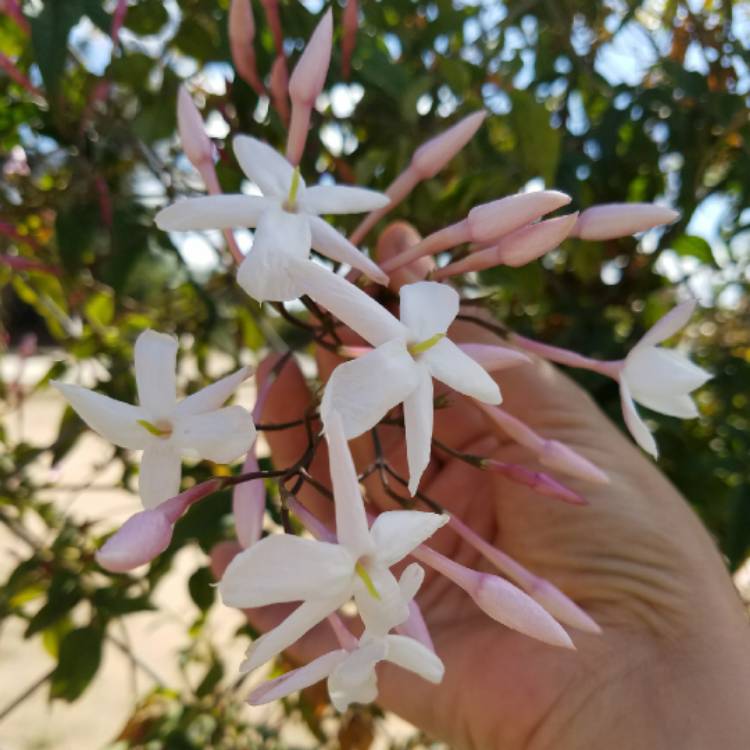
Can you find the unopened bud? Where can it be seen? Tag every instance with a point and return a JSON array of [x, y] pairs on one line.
[[195, 143], [559, 456], [241, 36], [562, 607], [612, 220], [249, 504], [138, 541], [493, 358], [310, 72]]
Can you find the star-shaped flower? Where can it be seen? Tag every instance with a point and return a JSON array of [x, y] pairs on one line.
[[287, 221], [401, 371], [324, 576], [165, 430], [660, 379]]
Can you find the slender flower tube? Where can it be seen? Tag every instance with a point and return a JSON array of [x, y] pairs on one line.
[[241, 38], [427, 161], [349, 22], [517, 248], [279, 84], [307, 81], [536, 480], [165, 430], [118, 20], [485, 223], [611, 220], [551, 453], [278, 267], [271, 8], [249, 504], [494, 358], [401, 370]]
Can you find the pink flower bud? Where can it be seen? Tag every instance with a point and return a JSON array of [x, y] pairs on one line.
[[559, 456], [175, 507], [241, 36], [279, 84], [249, 504], [349, 23], [493, 358], [310, 72], [612, 220], [195, 143], [434, 154], [343, 636], [562, 607], [536, 480], [491, 220], [415, 626], [138, 541]]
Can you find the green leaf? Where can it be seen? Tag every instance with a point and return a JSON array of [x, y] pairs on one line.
[[99, 17], [539, 143], [697, 247], [80, 656], [49, 38], [75, 228], [64, 594], [147, 17], [211, 679], [202, 588]]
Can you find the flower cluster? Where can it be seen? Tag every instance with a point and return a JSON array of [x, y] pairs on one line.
[[393, 364]]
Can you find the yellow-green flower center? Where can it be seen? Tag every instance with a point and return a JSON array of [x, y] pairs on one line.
[[422, 346], [291, 199], [365, 576], [161, 430]]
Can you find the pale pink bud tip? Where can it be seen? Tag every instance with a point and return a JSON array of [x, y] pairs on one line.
[[249, 504], [310, 72], [562, 608], [138, 541], [491, 220], [559, 456], [612, 220], [493, 358], [434, 154], [510, 606], [195, 143]]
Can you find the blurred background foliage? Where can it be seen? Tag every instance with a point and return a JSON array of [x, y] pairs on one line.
[[608, 101]]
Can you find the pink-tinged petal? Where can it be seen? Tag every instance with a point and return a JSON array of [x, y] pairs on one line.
[[272, 643], [612, 220], [494, 358], [364, 390], [668, 325], [341, 199], [296, 679], [415, 627], [138, 541], [343, 635], [418, 422], [448, 364], [114, 420], [351, 305], [195, 143], [286, 568], [213, 396], [562, 457], [331, 243], [160, 473], [641, 434], [213, 212], [249, 504], [491, 220], [351, 522], [396, 533], [434, 154], [265, 166], [155, 368], [562, 607], [428, 308], [410, 654], [221, 436], [309, 75]]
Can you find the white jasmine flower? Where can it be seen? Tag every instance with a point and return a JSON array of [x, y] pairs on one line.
[[401, 370], [165, 430], [660, 379], [323, 575], [287, 218]]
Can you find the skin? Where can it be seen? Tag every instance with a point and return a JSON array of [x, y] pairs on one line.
[[672, 666]]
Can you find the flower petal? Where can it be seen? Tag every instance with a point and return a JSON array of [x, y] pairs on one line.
[[657, 371], [363, 390], [272, 643], [419, 415], [493, 358], [410, 580], [410, 654], [351, 522], [114, 420], [297, 679], [388, 609], [265, 166], [138, 541], [397, 532], [676, 319], [342, 698], [358, 666], [286, 568], [221, 436], [213, 396], [459, 371], [641, 434], [351, 305], [331, 243], [160, 473], [427, 308], [678, 405], [155, 367], [341, 199], [213, 212], [281, 244]]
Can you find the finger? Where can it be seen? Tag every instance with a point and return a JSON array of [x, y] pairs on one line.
[[395, 239]]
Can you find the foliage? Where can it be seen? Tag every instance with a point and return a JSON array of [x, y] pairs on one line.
[[606, 101]]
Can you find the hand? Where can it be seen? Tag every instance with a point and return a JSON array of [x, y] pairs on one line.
[[673, 663]]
